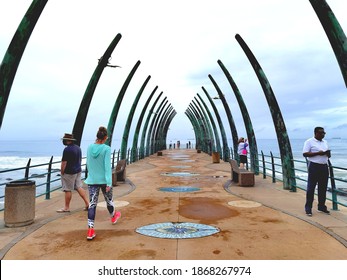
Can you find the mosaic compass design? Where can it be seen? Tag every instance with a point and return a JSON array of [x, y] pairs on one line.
[[181, 166], [175, 156], [179, 189], [179, 174], [184, 158], [177, 230]]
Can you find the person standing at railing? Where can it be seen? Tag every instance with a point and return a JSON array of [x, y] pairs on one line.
[[242, 151], [70, 171], [317, 152], [99, 177]]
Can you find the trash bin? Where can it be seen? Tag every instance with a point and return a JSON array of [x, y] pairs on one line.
[[19, 203], [215, 157]]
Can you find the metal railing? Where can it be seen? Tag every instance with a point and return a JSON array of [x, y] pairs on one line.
[[270, 167], [49, 180]]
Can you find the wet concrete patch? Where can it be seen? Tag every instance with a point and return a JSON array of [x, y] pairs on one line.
[[139, 255], [205, 209]]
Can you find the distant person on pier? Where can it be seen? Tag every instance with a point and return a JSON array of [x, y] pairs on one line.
[[317, 152], [70, 171], [99, 177], [242, 151]]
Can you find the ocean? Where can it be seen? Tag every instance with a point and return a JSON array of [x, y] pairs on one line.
[[15, 154], [12, 153]]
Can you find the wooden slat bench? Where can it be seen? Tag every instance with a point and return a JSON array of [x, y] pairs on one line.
[[243, 177], [119, 173]]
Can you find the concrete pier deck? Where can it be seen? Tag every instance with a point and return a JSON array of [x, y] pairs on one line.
[[263, 222]]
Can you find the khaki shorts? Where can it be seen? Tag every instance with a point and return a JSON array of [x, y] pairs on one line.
[[71, 182]]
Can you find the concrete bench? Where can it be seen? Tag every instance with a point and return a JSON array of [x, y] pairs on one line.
[[243, 177], [119, 173]]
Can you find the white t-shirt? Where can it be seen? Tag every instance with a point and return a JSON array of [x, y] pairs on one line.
[[240, 147], [313, 145]]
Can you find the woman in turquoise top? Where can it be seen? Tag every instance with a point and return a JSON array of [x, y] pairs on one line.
[[99, 177]]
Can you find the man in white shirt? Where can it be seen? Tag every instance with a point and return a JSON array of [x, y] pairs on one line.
[[317, 151]]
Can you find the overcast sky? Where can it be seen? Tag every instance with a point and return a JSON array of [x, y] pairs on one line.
[[178, 44]]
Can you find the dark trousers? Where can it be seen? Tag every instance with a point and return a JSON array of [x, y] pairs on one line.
[[318, 174]]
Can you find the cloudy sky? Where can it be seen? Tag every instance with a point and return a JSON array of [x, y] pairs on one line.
[[178, 44]]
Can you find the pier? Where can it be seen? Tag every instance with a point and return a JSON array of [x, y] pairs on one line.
[[211, 218]]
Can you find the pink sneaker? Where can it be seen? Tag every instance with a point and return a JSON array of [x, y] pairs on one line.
[[91, 234], [115, 217]]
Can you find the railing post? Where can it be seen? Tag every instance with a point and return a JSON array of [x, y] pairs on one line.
[[26, 176], [333, 186], [118, 155], [86, 172], [48, 183], [264, 168], [232, 152], [273, 168], [293, 188], [113, 157]]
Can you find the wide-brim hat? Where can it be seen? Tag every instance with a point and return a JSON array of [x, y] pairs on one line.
[[69, 137]]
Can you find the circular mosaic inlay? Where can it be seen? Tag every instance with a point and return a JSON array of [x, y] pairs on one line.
[[244, 203], [117, 204], [179, 156], [179, 174], [177, 230], [181, 166], [179, 189]]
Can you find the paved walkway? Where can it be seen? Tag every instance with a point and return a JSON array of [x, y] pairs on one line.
[[263, 222]]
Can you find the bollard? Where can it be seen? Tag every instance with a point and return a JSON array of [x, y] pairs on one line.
[[215, 157], [19, 203]]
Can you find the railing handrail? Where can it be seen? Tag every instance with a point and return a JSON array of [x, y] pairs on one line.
[[272, 170], [268, 163]]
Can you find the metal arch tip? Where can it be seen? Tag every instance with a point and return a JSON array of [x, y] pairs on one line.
[[108, 63]]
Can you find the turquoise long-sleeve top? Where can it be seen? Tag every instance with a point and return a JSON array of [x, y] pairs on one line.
[[99, 165]]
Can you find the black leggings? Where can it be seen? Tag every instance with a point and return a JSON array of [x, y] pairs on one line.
[[94, 191]]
